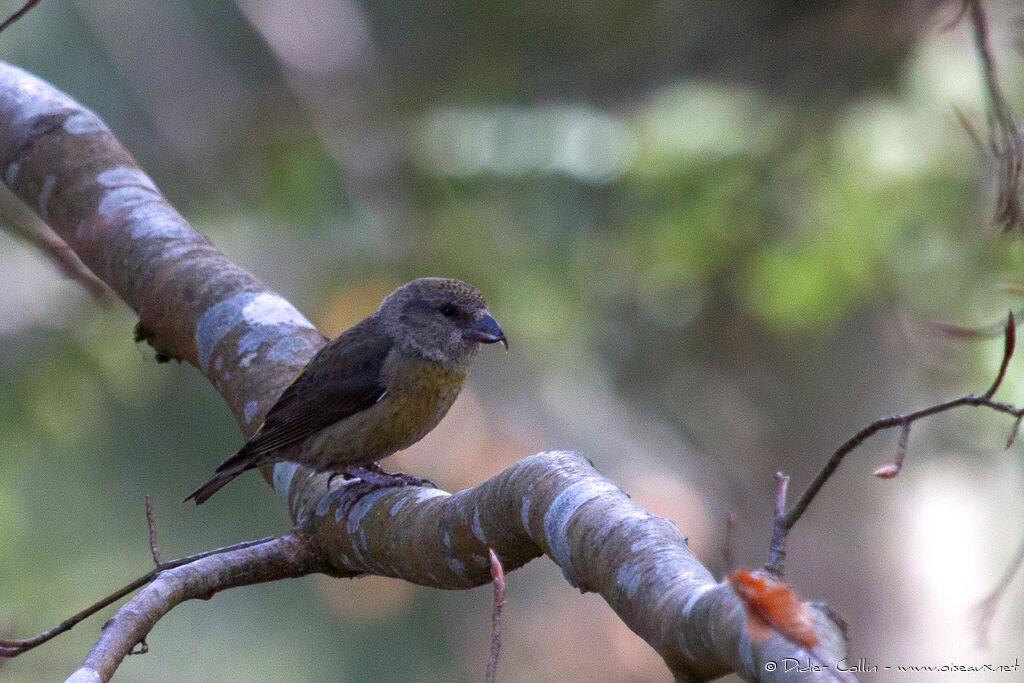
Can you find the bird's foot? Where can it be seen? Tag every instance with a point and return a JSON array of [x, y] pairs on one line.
[[382, 478], [371, 478]]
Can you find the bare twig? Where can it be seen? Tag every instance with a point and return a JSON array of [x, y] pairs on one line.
[[22, 221], [1014, 430], [986, 609], [990, 331], [728, 559], [970, 129], [1005, 144], [498, 579], [13, 648], [61, 254], [6, 631], [152, 532], [19, 14], [289, 556], [891, 470], [784, 522], [1009, 342], [781, 491]]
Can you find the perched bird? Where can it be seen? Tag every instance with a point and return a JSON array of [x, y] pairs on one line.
[[375, 389]]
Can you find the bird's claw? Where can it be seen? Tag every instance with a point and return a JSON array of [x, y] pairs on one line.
[[371, 478], [382, 478]]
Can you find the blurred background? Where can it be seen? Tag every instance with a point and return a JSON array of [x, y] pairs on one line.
[[715, 232]]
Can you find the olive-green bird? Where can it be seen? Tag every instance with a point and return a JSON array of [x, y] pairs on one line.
[[375, 389]]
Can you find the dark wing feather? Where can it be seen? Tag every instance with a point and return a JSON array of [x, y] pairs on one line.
[[344, 378]]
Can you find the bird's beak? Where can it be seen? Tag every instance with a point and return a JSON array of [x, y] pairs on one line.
[[486, 330]]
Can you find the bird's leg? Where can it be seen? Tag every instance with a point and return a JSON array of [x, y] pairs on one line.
[[371, 478], [375, 474]]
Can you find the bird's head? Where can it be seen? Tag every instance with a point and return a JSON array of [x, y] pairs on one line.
[[440, 318]]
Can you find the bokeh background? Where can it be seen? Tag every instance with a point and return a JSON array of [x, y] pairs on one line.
[[715, 232]]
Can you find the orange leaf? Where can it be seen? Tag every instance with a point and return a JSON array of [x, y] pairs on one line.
[[772, 606]]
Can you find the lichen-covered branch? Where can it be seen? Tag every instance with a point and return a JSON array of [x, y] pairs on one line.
[[197, 306], [194, 304], [556, 503]]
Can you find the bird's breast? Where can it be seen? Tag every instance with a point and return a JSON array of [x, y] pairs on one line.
[[418, 395]]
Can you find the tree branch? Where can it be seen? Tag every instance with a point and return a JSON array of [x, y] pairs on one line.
[[498, 579], [13, 648], [1005, 145], [986, 609], [281, 558], [22, 221], [785, 520], [197, 306], [19, 14]]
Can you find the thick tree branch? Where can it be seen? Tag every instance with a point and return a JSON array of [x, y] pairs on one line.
[[195, 305]]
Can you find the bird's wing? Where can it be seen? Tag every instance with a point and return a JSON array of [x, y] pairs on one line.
[[344, 378]]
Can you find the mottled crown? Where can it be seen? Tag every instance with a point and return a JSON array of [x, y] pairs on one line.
[[437, 291], [435, 317]]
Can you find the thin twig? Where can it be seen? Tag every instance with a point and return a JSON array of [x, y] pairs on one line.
[[498, 579], [24, 222], [781, 491], [67, 260], [1009, 342], [1014, 430], [784, 522], [990, 331], [19, 14], [13, 648], [778, 544], [986, 609], [1006, 146], [901, 446], [6, 631], [152, 532], [970, 129], [728, 559], [891, 470]]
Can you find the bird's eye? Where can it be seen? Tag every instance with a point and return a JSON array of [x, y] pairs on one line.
[[449, 311]]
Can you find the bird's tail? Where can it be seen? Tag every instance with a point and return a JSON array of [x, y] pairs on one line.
[[226, 471]]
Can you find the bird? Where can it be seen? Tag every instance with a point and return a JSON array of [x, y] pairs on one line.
[[375, 389]]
